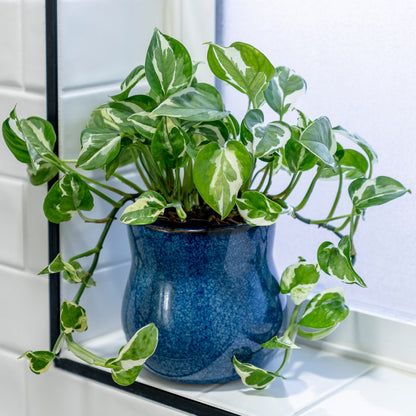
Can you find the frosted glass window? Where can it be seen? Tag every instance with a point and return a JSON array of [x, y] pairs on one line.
[[359, 60]]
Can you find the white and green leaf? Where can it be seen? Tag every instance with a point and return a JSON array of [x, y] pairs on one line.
[[299, 158], [365, 193], [73, 317], [66, 197], [242, 66], [39, 361], [219, 173], [40, 134], [283, 342], [253, 376], [145, 210], [99, 147], [257, 209], [168, 65], [284, 90], [202, 102], [129, 83], [336, 261], [325, 310], [15, 143], [130, 360], [299, 279], [145, 123], [317, 138]]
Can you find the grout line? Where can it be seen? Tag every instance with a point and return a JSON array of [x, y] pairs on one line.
[[333, 392], [68, 91], [13, 90]]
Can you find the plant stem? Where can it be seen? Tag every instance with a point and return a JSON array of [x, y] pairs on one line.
[[326, 226], [139, 169], [269, 183], [338, 195], [310, 190], [266, 171], [58, 343], [127, 182], [344, 224], [328, 219], [84, 354], [93, 220], [103, 196], [286, 192]]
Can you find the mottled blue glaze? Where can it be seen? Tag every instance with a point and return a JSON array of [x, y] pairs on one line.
[[211, 293]]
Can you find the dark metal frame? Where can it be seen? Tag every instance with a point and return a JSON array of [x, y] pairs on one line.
[[143, 390]]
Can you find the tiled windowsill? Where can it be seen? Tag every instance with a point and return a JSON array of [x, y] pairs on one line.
[[317, 383]]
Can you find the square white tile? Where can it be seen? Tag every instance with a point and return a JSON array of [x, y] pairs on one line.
[[10, 43], [24, 311], [11, 222], [381, 392]]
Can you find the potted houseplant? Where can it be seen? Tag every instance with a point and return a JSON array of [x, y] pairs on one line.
[[204, 194]]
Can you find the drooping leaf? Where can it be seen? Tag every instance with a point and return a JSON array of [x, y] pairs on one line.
[[168, 65], [127, 365], [264, 138], [99, 147], [73, 317], [219, 173], [354, 165], [316, 335], [242, 66], [284, 89], [66, 197], [299, 279], [283, 342], [129, 83], [169, 144], [39, 361], [253, 376], [325, 310], [15, 143], [366, 193], [257, 209], [317, 138], [202, 102], [43, 173], [145, 210], [40, 134], [336, 261], [298, 157]]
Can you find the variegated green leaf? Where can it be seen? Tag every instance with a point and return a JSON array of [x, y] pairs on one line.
[[145, 124], [242, 66], [366, 193], [73, 317], [219, 173], [169, 144], [15, 143], [215, 131], [66, 197], [168, 65], [284, 89], [318, 139], [202, 102], [299, 158], [98, 148], [39, 361], [354, 165], [336, 261], [253, 376], [43, 172], [264, 138], [299, 279], [283, 342], [372, 155], [40, 134], [129, 83], [325, 310], [316, 335], [127, 365], [145, 210], [257, 209]]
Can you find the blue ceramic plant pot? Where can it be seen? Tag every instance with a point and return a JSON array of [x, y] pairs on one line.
[[212, 293]]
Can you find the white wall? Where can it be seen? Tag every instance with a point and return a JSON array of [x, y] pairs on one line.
[[358, 58]]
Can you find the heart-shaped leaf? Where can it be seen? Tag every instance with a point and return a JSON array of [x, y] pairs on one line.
[[336, 261], [66, 197], [73, 317], [145, 210], [325, 310], [299, 158], [242, 66], [168, 65], [202, 102], [284, 89], [257, 209], [129, 83], [366, 193], [299, 279], [283, 342], [39, 361], [40, 134], [219, 173]]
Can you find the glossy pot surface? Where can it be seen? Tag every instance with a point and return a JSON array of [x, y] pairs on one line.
[[212, 293]]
